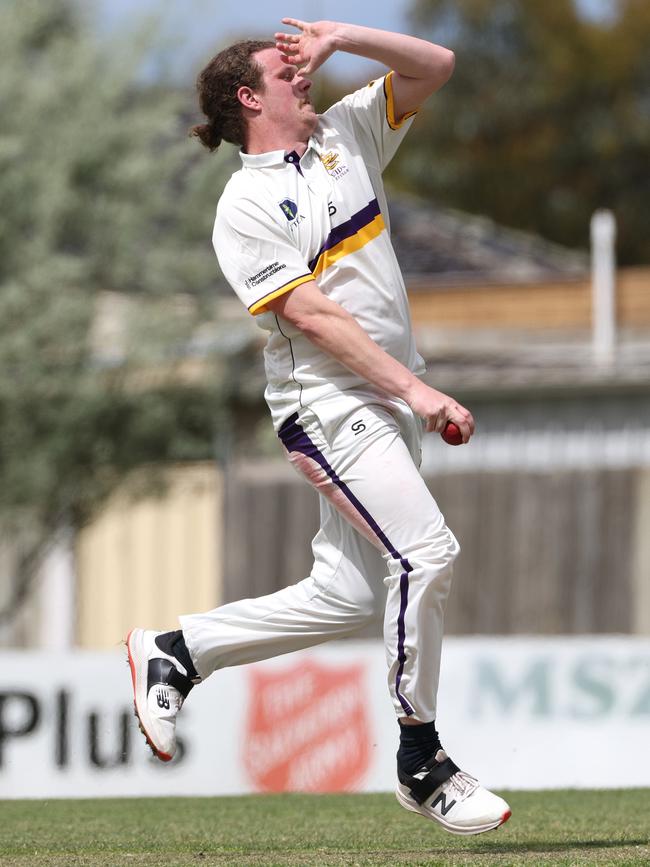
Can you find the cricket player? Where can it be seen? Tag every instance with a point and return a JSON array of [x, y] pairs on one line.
[[302, 236]]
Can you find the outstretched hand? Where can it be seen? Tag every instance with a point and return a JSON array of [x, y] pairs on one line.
[[310, 48]]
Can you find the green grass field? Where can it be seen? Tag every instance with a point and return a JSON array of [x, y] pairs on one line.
[[569, 827]]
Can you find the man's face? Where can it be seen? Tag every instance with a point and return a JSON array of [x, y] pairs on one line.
[[285, 95]]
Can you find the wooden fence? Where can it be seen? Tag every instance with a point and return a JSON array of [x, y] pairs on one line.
[[549, 552]]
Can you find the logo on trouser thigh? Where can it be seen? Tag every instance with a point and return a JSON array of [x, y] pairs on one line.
[[307, 728]]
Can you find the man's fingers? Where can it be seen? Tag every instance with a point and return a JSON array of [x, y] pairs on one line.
[[295, 22], [286, 48], [461, 417], [287, 38], [465, 431], [464, 427], [464, 421], [435, 423]]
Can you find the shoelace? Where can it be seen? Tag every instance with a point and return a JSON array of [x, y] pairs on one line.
[[463, 783]]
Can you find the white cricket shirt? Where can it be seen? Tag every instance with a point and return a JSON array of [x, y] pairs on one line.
[[283, 220]]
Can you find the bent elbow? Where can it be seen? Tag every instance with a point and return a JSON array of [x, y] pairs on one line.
[[441, 69], [448, 65]]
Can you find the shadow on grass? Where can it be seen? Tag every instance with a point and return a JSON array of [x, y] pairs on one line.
[[543, 846]]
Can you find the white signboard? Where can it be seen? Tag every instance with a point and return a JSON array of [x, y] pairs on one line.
[[518, 713]]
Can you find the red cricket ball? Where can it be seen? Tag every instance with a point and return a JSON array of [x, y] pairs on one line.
[[452, 435]]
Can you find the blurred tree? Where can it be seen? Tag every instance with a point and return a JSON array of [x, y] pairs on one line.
[[100, 191], [546, 118]]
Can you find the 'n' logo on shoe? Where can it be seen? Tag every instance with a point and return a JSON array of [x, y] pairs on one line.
[[444, 806], [162, 698]]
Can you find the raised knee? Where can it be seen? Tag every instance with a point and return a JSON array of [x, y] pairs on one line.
[[434, 554]]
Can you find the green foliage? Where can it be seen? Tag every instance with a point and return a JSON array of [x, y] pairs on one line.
[[101, 191], [100, 186], [546, 118]]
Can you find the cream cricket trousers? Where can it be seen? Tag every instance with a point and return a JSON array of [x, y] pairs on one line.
[[379, 522]]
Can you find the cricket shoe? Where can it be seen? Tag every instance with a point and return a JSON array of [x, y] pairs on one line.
[[442, 792], [160, 686]]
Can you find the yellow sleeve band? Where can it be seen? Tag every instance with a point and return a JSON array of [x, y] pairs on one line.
[[260, 306], [393, 123]]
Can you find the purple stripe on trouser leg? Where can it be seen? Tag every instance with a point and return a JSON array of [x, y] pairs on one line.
[[401, 653], [295, 439]]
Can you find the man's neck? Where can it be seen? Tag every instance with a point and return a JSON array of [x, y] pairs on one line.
[[267, 144]]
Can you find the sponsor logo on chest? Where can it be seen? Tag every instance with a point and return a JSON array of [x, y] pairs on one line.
[[290, 210], [333, 165]]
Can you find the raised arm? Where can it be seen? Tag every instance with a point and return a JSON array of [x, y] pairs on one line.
[[420, 67], [330, 327]]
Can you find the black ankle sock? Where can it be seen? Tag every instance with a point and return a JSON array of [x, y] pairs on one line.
[[173, 644], [417, 744]]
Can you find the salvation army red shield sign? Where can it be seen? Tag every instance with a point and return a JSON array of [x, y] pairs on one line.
[[307, 728]]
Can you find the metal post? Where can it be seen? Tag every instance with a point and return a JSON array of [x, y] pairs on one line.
[[603, 278]]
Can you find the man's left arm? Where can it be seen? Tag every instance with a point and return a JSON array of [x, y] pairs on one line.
[[420, 67]]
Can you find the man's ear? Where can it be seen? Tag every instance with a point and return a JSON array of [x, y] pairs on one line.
[[248, 98]]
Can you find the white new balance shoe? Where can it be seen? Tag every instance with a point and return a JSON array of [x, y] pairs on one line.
[[442, 792], [160, 686]]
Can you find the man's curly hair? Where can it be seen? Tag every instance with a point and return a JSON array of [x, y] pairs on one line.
[[217, 86]]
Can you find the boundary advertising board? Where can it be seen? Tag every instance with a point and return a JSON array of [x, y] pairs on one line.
[[519, 713]]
